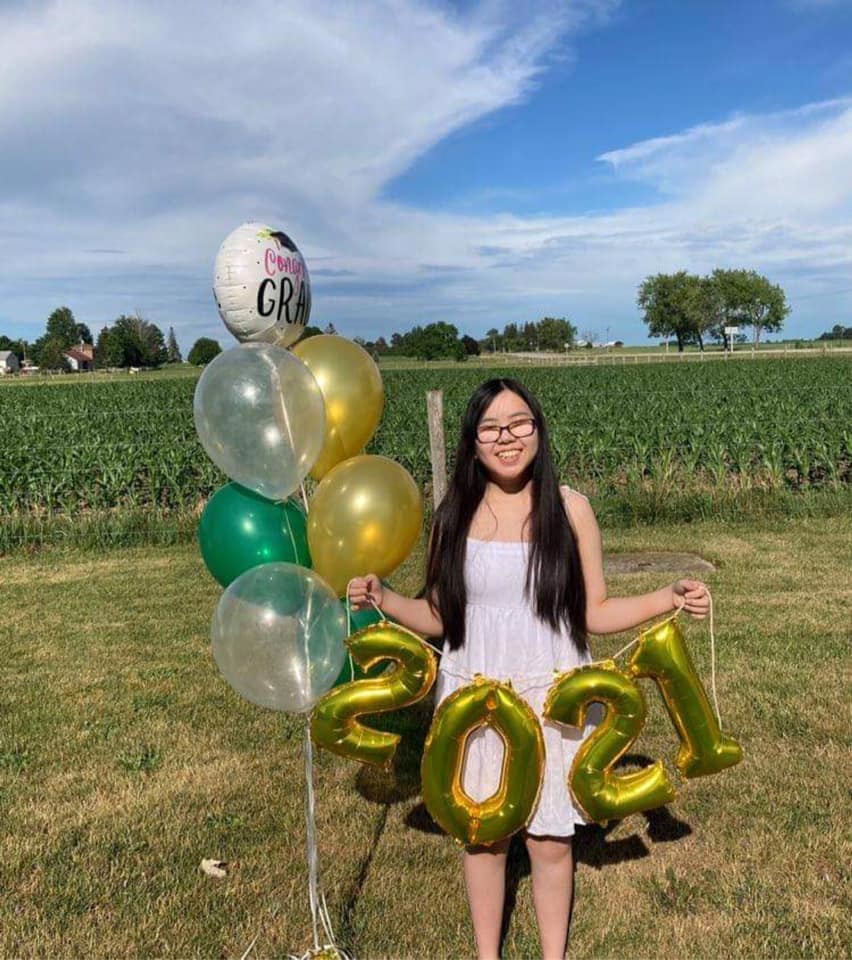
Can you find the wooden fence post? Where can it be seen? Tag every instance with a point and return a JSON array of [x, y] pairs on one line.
[[437, 448]]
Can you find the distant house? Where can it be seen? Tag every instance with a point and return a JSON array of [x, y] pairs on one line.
[[81, 357], [8, 362]]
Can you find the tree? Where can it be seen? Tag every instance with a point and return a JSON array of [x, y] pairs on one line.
[[672, 306], [132, 341], [172, 348], [436, 341], [84, 334], [62, 326], [837, 332], [52, 354], [529, 337], [556, 333], [310, 332], [763, 305], [151, 341], [471, 347], [494, 339], [203, 351], [102, 349]]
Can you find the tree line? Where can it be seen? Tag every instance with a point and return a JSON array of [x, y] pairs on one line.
[[130, 341], [692, 308], [442, 341]]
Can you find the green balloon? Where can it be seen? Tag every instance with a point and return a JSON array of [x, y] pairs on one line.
[[360, 619], [240, 529]]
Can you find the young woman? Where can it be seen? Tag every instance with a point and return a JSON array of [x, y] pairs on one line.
[[514, 583]]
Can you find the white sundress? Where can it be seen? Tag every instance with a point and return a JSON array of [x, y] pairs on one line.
[[505, 640]]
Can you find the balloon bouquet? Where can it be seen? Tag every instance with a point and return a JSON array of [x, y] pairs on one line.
[[267, 417]]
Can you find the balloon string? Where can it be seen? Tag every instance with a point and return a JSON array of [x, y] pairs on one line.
[[549, 678], [313, 865], [319, 909], [292, 538], [713, 662]]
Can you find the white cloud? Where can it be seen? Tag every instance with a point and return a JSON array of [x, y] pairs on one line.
[[137, 135]]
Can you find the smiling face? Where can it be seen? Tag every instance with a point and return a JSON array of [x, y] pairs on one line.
[[506, 457]]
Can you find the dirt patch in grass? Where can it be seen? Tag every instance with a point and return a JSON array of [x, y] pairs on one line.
[[655, 562]]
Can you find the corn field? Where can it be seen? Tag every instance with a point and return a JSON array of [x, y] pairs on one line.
[[84, 446]]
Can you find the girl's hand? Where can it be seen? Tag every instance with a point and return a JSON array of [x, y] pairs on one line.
[[693, 596], [364, 589]]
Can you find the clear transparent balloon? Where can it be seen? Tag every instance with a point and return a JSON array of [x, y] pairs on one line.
[[278, 636], [260, 417]]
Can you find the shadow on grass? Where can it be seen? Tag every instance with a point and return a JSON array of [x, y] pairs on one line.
[[592, 845], [387, 789]]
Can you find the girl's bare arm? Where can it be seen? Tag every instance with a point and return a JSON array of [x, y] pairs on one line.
[[609, 614], [415, 614]]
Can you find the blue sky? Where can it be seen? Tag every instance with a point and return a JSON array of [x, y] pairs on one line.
[[476, 163]]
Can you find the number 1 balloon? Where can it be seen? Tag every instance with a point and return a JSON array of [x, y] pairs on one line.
[[662, 655], [260, 417]]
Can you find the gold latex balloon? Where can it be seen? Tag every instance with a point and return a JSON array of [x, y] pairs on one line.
[[662, 655], [364, 518], [334, 724], [351, 386], [484, 702], [602, 794]]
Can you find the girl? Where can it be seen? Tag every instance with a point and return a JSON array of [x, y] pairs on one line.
[[514, 582]]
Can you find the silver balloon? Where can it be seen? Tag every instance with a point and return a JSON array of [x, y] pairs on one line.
[[261, 285], [260, 416], [278, 636]]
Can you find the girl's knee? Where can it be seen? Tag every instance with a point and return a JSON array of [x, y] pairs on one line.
[[550, 850]]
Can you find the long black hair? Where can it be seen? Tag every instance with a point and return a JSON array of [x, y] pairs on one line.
[[554, 581]]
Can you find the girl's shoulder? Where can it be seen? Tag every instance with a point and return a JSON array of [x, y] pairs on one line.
[[569, 494], [578, 507]]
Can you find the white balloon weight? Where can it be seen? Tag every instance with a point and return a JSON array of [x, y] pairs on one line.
[[260, 417], [278, 636], [261, 285]]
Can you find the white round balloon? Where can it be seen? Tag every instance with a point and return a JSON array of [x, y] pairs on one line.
[[260, 417], [278, 636], [261, 285]]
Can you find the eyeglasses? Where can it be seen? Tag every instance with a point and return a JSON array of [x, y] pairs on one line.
[[519, 429]]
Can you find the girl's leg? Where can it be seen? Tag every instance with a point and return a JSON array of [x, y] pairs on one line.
[[552, 862], [485, 877]]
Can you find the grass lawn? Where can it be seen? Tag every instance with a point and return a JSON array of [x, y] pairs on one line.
[[125, 759]]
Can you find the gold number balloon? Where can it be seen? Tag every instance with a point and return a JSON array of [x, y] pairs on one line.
[[335, 724], [603, 794], [482, 703], [351, 386], [662, 655], [365, 517]]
